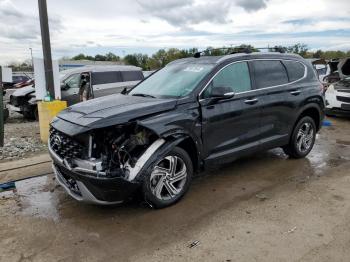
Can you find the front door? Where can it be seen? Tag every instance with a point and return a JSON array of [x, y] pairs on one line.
[[70, 89], [231, 127]]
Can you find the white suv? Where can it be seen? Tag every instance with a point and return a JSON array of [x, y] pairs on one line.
[[338, 98]]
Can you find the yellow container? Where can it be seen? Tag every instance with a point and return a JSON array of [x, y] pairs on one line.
[[47, 111]]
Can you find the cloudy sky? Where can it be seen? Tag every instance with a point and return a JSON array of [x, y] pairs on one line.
[[122, 27]]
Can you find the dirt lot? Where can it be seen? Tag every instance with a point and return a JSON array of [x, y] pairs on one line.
[[262, 208]]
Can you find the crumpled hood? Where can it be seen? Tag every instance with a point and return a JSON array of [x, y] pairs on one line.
[[23, 91], [342, 84], [113, 110]]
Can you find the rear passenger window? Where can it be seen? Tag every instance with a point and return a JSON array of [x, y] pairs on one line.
[[132, 75], [269, 73], [99, 78], [295, 70]]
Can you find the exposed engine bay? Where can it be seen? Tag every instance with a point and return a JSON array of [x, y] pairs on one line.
[[117, 151]]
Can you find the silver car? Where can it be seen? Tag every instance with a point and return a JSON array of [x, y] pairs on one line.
[[104, 80]]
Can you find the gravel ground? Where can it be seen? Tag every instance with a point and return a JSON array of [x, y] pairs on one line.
[[22, 139]]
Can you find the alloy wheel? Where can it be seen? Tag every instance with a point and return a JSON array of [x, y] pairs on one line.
[[305, 137], [168, 178]]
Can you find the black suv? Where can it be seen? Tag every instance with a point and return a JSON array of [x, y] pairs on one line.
[[193, 113]]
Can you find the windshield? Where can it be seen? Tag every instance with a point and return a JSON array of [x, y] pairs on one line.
[[175, 80]]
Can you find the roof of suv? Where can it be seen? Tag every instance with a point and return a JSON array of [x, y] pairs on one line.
[[238, 56]]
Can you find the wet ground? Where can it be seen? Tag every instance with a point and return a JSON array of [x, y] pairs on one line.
[[262, 208]]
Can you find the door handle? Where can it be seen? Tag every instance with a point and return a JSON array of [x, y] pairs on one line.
[[251, 101], [295, 92]]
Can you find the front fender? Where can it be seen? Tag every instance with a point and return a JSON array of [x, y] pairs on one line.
[[179, 123], [143, 165]]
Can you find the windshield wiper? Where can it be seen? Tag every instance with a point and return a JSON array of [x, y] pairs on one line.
[[143, 95]]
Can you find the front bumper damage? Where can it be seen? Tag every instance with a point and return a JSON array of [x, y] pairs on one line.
[[87, 186], [14, 108], [91, 186], [337, 101]]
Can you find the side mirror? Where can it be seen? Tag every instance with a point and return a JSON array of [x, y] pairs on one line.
[[64, 86]]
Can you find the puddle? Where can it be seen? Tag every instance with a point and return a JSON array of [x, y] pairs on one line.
[[35, 197]]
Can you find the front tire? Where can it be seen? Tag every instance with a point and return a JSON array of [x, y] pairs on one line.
[[168, 179], [303, 138], [31, 113]]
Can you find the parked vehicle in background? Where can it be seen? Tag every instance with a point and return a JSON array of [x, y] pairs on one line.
[[24, 83], [148, 73], [5, 109], [321, 66], [20, 78], [322, 71], [339, 69], [104, 80], [193, 113], [17, 81], [338, 98], [338, 92]]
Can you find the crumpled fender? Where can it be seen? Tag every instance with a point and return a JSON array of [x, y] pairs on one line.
[[158, 154]]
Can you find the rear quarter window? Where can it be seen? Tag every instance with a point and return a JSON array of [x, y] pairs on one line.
[[269, 73], [296, 70], [132, 75]]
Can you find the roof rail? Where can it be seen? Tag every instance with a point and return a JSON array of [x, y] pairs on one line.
[[246, 50]]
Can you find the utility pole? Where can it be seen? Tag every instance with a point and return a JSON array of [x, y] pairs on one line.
[[31, 55], [45, 38]]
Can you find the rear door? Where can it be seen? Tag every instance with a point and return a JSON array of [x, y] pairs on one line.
[[131, 78], [281, 98], [106, 83], [113, 82], [231, 127]]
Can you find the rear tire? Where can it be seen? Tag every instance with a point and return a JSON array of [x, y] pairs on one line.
[[303, 138], [168, 179]]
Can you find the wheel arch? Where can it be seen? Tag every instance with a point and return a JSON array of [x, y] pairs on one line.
[[187, 142], [190, 147], [313, 111], [183, 141]]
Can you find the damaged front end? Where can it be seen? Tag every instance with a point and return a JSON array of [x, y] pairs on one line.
[[103, 166]]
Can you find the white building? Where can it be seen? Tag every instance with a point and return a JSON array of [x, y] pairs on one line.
[[69, 64]]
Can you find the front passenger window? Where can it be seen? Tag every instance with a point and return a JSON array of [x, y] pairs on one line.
[[73, 81], [235, 78]]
